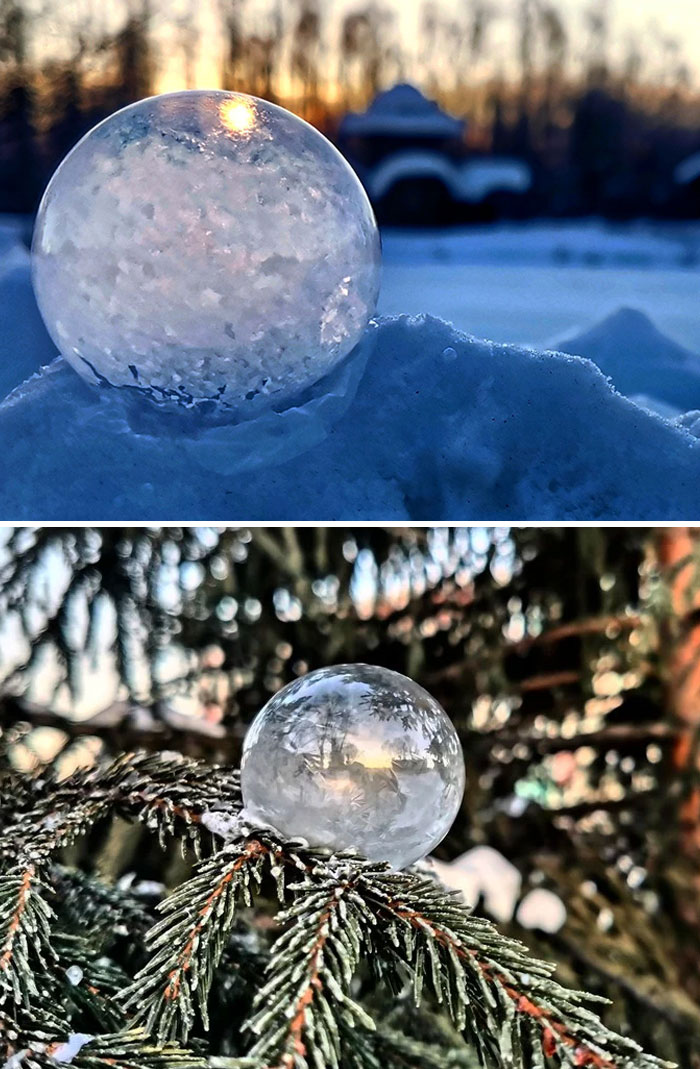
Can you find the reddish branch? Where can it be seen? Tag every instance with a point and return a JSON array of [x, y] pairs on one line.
[[547, 680], [116, 722], [172, 991], [16, 920], [190, 816], [595, 625], [677, 549], [554, 1032]]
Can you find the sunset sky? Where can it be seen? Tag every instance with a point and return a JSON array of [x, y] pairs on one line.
[[673, 18], [649, 20]]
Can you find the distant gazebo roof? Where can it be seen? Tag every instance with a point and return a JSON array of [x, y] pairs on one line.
[[688, 171], [402, 111]]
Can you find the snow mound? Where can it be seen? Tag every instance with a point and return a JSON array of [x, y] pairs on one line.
[[689, 421], [442, 426], [640, 360], [660, 408]]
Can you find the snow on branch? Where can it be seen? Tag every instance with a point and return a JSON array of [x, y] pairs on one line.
[[26, 1047]]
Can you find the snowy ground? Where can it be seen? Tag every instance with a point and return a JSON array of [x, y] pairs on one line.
[[441, 427], [530, 285]]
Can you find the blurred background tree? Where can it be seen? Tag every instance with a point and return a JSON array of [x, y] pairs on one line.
[[603, 122], [567, 658]]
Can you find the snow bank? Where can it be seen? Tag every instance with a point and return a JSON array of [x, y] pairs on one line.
[[442, 426], [640, 360], [689, 421]]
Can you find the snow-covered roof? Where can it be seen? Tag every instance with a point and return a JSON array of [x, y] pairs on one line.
[[402, 111], [688, 170], [470, 181], [494, 175], [400, 165]]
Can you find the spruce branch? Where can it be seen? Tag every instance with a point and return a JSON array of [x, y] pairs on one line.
[[25, 937], [301, 1009], [25, 1046], [166, 792], [89, 981], [189, 940], [388, 1047], [345, 920], [513, 1010], [85, 902]]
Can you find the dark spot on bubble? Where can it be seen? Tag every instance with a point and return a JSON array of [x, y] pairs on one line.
[[228, 329], [134, 371]]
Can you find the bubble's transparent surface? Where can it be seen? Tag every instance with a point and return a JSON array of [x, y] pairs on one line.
[[355, 756], [206, 246]]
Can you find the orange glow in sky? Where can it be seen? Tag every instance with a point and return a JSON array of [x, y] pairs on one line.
[[652, 22]]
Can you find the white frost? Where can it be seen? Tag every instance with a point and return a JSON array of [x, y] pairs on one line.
[[66, 1052], [225, 825], [74, 975]]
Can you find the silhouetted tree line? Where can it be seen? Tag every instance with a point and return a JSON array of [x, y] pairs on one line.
[[602, 134]]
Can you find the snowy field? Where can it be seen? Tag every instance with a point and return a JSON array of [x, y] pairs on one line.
[[532, 285], [428, 424]]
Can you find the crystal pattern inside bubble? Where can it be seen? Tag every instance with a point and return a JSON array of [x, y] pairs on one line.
[[355, 756], [206, 246]]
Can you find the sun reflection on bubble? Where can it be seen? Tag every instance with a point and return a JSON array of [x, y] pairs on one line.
[[237, 115]]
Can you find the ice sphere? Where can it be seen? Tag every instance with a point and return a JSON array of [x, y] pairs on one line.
[[355, 756], [206, 246]]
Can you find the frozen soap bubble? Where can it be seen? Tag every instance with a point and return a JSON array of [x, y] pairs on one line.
[[355, 756], [206, 246]]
